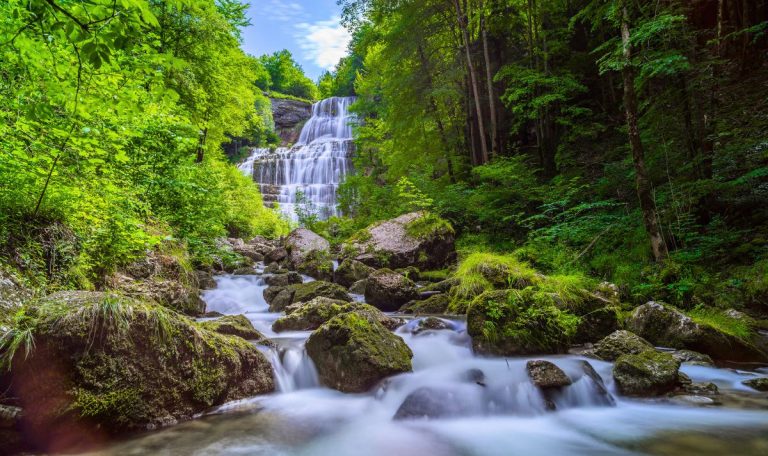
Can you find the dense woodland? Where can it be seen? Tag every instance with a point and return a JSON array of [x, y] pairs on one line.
[[621, 139]]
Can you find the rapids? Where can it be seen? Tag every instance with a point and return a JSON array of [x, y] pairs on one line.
[[493, 407]]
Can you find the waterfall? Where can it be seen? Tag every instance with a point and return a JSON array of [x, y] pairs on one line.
[[314, 167]]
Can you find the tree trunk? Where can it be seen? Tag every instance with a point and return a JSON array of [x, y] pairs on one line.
[[647, 205], [489, 81], [473, 79]]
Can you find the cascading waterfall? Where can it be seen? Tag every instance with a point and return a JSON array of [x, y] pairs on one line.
[[314, 167]]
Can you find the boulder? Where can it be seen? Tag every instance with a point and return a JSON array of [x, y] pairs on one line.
[[279, 298], [283, 280], [102, 363], [235, 325], [621, 343], [444, 286], [12, 296], [760, 384], [418, 239], [664, 325], [353, 352], [518, 322], [434, 305], [649, 373], [388, 290], [351, 271], [254, 251], [276, 255], [311, 315], [247, 270], [598, 385], [205, 280], [596, 324], [274, 268], [309, 253], [430, 403], [693, 358], [358, 287], [546, 375], [432, 324]]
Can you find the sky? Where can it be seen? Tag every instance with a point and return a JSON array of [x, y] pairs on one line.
[[310, 29]]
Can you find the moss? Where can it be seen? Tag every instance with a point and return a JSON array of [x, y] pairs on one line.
[[646, 373], [310, 315], [435, 275], [117, 405], [739, 328], [513, 322], [434, 305], [428, 226], [234, 325], [481, 272]]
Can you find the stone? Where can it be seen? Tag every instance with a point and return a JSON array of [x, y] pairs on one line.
[[254, 251], [649, 373], [434, 305], [103, 363], [417, 239], [760, 384], [279, 298], [234, 325], [248, 270], [307, 316], [693, 358], [388, 290], [12, 296], [546, 375], [666, 326], [351, 271], [289, 116], [596, 324], [205, 280], [619, 343], [358, 287], [283, 280], [353, 352], [430, 403], [432, 324], [301, 242], [276, 255]]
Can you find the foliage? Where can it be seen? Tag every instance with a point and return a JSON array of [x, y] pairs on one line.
[[286, 76]]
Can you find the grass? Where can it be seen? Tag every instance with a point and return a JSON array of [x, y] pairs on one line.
[[572, 289], [285, 96], [482, 271], [717, 319], [427, 226]]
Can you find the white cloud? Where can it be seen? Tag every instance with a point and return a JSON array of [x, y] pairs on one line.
[[323, 42], [284, 11]]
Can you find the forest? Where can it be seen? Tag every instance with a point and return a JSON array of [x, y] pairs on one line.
[[489, 212]]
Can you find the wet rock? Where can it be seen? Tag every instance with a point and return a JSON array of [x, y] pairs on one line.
[[276, 255], [283, 280], [664, 325], [760, 384], [250, 250], [205, 280], [620, 343], [609, 292], [432, 324], [434, 305], [107, 364], [212, 314], [693, 358], [388, 290], [417, 239], [545, 374], [475, 376], [701, 389], [518, 322], [598, 383], [596, 324], [312, 314], [430, 403], [274, 268], [309, 253], [410, 272], [248, 270], [350, 272], [688, 399], [358, 287], [279, 298], [649, 373], [12, 296], [353, 351], [234, 325]]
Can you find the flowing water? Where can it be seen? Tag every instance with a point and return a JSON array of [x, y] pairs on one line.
[[490, 407], [314, 167]]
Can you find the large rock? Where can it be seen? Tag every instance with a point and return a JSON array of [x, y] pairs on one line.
[[666, 326], [430, 403], [519, 322], [104, 363], [388, 290], [351, 271], [279, 298], [649, 373], [309, 253], [353, 351], [417, 239], [289, 116], [310, 315], [235, 325], [596, 324], [621, 343], [283, 280], [546, 375], [434, 305]]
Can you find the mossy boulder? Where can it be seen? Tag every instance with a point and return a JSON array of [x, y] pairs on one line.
[[433, 305], [388, 290], [418, 239], [596, 324], [649, 373], [309, 253], [12, 295], [759, 384], [519, 322], [279, 298], [310, 315], [663, 325], [351, 271], [234, 325], [353, 352], [105, 363], [283, 280], [620, 343]]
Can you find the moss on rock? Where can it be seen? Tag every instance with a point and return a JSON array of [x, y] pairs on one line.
[[433, 305], [649, 373], [279, 298], [519, 322], [117, 364], [351, 271], [234, 325], [353, 351], [621, 343], [388, 290]]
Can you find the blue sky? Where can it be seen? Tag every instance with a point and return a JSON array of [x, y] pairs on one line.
[[310, 29]]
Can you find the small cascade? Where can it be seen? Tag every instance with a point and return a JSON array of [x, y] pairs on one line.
[[294, 370], [307, 175]]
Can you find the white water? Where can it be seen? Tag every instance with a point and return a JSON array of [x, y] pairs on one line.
[[503, 415], [315, 166]]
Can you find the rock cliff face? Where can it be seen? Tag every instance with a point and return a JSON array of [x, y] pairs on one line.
[[289, 117]]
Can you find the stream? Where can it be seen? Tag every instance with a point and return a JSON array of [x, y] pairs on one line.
[[491, 407]]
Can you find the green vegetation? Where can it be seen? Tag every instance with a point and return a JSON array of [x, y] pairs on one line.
[[739, 328], [112, 121], [285, 76]]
